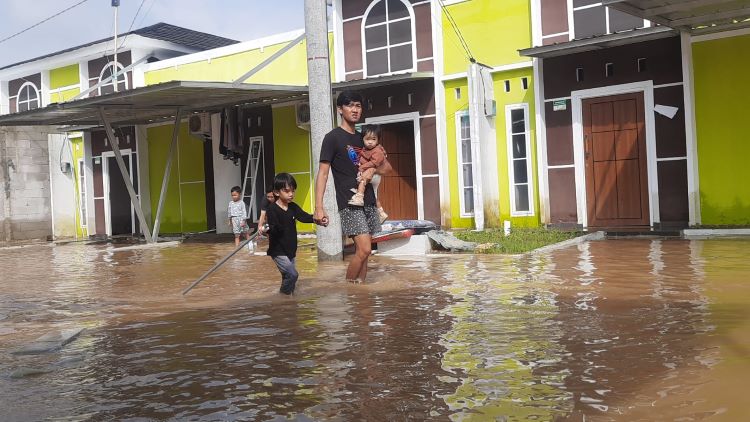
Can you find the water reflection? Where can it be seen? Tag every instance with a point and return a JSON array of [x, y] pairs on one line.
[[614, 330]]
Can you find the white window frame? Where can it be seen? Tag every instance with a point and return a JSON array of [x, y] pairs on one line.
[[388, 46], [571, 19], [112, 82], [529, 162], [460, 158], [82, 205], [28, 102]]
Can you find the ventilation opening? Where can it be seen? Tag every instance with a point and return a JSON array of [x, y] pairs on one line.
[[579, 74], [507, 85], [609, 69], [641, 65], [390, 102], [409, 98], [525, 83], [457, 91], [369, 104]]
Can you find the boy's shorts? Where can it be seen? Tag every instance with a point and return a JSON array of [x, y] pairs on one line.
[[359, 220], [237, 227]]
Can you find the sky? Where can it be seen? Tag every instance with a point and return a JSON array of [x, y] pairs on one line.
[[236, 19]]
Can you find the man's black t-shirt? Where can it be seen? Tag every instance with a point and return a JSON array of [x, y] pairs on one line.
[[343, 169], [282, 228]]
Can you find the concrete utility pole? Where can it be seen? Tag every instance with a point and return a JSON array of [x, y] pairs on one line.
[[330, 246]]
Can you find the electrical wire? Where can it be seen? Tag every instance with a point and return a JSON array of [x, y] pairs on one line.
[[454, 25], [42, 21], [131, 24]]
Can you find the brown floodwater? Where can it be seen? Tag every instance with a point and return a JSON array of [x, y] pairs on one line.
[[636, 329]]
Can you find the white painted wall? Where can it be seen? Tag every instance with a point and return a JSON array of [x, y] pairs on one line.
[[62, 192], [226, 175]]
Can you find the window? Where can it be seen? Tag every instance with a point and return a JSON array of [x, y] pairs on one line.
[[519, 159], [388, 37], [465, 168], [109, 87], [28, 97], [592, 18], [82, 192]]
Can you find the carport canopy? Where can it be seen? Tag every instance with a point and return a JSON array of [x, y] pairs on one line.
[[696, 17], [167, 102], [153, 104]]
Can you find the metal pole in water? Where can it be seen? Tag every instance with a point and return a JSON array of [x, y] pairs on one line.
[[221, 262]]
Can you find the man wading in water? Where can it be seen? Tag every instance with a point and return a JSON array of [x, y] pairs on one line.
[[359, 223]]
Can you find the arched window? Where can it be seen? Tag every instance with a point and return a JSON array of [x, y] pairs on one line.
[[109, 87], [28, 97], [388, 38]]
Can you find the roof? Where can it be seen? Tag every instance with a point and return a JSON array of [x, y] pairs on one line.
[[154, 103], [199, 41], [598, 42], [694, 16], [377, 81]]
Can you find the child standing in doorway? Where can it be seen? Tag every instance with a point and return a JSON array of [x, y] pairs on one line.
[[238, 216], [282, 217], [368, 159]]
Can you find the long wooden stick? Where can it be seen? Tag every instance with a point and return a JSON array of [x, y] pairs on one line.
[[221, 262]]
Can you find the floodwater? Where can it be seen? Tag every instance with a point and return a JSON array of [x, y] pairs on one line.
[[628, 330]]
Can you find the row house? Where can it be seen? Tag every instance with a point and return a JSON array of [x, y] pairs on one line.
[[64, 182]]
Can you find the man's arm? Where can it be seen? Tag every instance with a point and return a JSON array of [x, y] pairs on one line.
[[320, 216]]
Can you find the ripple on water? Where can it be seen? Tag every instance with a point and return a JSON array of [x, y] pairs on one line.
[[621, 330]]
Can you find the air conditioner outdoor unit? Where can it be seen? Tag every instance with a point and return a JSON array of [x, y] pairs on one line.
[[302, 111], [200, 125]]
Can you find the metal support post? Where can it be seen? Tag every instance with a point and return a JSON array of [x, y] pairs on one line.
[[167, 173], [126, 176]]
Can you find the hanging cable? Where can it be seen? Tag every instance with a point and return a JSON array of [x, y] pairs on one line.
[[42, 21], [127, 34], [457, 31]]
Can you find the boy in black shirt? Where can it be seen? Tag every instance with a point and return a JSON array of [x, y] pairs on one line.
[[282, 229]]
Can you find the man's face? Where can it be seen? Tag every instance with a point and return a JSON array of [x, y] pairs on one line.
[[351, 112]]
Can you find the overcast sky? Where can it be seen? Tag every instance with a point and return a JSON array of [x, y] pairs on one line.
[[237, 19]]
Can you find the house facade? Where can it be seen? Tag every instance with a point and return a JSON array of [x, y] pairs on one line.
[[490, 163], [614, 150], [80, 190]]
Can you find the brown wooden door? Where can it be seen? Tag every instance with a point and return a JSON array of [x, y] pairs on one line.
[[398, 190], [615, 156]]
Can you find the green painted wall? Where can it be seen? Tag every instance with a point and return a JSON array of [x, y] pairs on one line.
[[185, 203], [76, 144], [722, 90], [288, 69], [517, 95], [60, 96], [291, 151], [63, 76], [493, 29]]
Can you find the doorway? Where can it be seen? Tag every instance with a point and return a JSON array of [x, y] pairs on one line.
[[614, 142], [398, 190], [118, 209]]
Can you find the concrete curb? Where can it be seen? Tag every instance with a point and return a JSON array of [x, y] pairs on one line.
[[714, 233], [567, 243], [145, 246]]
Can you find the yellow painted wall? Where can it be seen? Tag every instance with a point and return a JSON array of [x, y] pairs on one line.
[[288, 69], [63, 76], [185, 203], [76, 145], [517, 95], [493, 29], [60, 96], [291, 151]]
